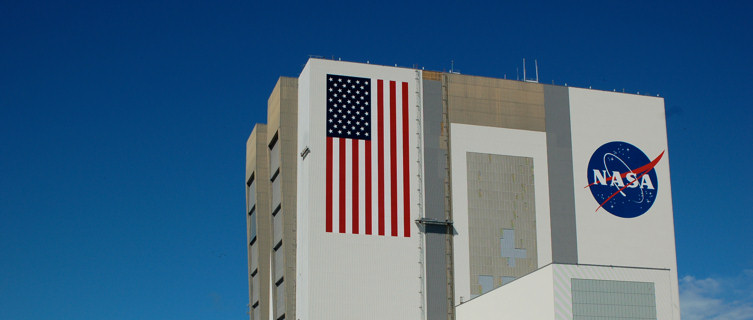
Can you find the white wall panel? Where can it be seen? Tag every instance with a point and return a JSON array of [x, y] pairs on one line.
[[546, 293], [350, 276], [530, 297], [666, 305], [469, 138], [599, 117]]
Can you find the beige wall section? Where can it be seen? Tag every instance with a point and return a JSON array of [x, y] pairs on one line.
[[282, 119], [495, 102], [501, 203], [257, 164]]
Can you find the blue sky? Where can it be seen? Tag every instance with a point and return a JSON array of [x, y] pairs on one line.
[[123, 128]]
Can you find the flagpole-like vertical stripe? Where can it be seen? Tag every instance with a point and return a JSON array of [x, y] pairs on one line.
[[380, 155], [329, 184], [341, 211], [367, 164], [393, 158], [406, 165], [355, 186]]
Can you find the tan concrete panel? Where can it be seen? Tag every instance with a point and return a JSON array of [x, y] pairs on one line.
[[432, 75], [288, 169], [257, 163], [273, 110], [282, 119], [495, 102], [501, 200], [259, 129]]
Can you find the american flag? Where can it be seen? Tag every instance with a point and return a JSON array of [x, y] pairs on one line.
[[368, 185]]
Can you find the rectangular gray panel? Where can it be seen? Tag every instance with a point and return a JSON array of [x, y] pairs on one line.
[[280, 300], [279, 264], [254, 256], [276, 192], [252, 226], [251, 195], [607, 299], [255, 288], [274, 157], [560, 159], [277, 227], [435, 171]]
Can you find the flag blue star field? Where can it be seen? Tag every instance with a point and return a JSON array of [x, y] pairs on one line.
[[368, 186]]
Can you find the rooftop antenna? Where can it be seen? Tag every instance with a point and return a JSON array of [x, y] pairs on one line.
[[452, 66], [536, 63]]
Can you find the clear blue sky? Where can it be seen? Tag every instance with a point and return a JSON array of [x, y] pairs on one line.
[[123, 127]]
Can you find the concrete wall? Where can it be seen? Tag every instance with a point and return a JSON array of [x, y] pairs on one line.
[[666, 306], [561, 190], [349, 275], [467, 139], [530, 297], [547, 293], [497, 103], [282, 136], [501, 219], [258, 252]]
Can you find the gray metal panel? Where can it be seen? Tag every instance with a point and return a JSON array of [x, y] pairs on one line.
[[252, 227], [276, 192], [608, 299], [251, 195], [277, 227], [274, 157], [435, 173], [279, 264], [255, 256], [560, 160], [280, 300], [255, 289]]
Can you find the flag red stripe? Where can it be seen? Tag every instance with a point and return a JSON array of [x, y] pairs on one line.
[[341, 164], [329, 184], [380, 154], [406, 165], [367, 183], [355, 186], [393, 158]]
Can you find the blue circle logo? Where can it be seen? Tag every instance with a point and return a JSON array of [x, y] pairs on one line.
[[622, 179]]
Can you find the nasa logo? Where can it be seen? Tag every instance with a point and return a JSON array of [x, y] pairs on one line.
[[622, 179]]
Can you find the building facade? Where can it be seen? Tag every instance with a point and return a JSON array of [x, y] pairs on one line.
[[380, 192]]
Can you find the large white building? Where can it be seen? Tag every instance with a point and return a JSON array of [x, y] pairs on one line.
[[380, 192]]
